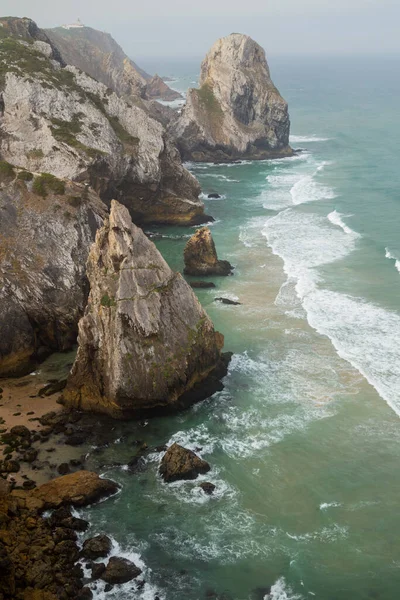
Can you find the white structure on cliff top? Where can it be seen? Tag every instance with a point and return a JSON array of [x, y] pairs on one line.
[[76, 25]]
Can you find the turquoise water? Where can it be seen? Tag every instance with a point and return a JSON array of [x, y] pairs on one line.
[[304, 441]]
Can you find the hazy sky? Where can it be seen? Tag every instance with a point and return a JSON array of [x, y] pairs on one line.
[[186, 28]]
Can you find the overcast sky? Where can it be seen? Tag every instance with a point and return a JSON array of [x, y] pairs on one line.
[[186, 28]]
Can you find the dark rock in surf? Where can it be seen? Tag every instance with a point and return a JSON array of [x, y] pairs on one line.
[[208, 488], [181, 463], [96, 547], [227, 301], [202, 285], [214, 196], [120, 570]]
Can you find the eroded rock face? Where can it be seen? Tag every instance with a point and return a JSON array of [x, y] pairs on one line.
[[181, 463], [145, 340], [237, 112], [201, 258], [58, 120], [98, 54], [45, 237], [120, 570]]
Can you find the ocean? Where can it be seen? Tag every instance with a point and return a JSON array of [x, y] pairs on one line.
[[304, 440]]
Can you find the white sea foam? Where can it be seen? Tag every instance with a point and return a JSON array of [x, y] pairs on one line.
[[308, 189], [204, 196], [326, 505], [336, 219], [222, 177], [303, 139], [389, 255], [282, 591], [362, 333]]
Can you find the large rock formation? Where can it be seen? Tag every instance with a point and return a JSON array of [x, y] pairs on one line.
[[98, 54], [46, 229], [237, 112], [145, 340], [201, 258], [59, 120]]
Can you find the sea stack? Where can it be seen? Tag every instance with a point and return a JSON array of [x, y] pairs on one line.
[[201, 257], [145, 342], [237, 113]]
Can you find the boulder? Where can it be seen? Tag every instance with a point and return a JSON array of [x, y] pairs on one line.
[[120, 570], [202, 285], [227, 301], [201, 258], [76, 489], [208, 488], [145, 341], [214, 196], [181, 463], [96, 547], [237, 113]]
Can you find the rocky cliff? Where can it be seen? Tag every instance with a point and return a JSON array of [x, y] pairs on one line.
[[59, 120], [237, 113], [98, 54], [145, 341], [46, 229]]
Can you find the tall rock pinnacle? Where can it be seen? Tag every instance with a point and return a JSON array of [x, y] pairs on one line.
[[144, 341], [237, 112]]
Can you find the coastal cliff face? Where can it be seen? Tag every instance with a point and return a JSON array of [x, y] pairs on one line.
[[145, 340], [59, 120], [46, 229], [237, 113], [98, 54]]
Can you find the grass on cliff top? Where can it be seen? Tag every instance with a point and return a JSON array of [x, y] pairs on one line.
[[45, 183], [22, 58], [6, 171]]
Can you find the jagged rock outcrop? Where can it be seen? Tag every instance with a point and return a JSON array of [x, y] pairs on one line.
[[237, 113], [157, 88], [145, 341], [59, 120], [98, 54], [181, 463], [201, 258], [46, 229]]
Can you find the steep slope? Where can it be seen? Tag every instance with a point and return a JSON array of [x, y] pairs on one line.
[[237, 112], [98, 54], [46, 229], [145, 341], [59, 120]]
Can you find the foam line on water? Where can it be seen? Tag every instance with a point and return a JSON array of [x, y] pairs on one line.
[[389, 255], [362, 333], [282, 591], [336, 219], [303, 139]]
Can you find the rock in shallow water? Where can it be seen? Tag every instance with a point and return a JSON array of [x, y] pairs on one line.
[[201, 258], [145, 342], [181, 463], [120, 570], [96, 547]]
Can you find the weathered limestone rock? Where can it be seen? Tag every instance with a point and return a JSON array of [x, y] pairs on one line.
[[58, 120], [237, 112], [76, 489], [181, 463], [46, 229], [145, 341], [201, 258]]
